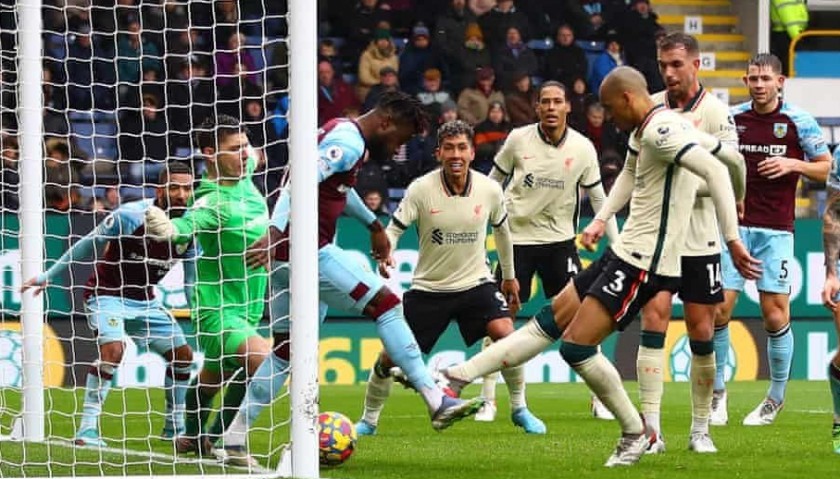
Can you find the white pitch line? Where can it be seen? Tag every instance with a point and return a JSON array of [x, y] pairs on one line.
[[156, 455]]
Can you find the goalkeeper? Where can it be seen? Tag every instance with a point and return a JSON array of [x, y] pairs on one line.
[[228, 214], [120, 299]]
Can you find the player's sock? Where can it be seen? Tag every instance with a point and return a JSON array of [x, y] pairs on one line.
[[231, 402], [175, 384], [649, 370], [721, 342], [834, 384], [702, 384], [97, 385], [377, 392], [603, 379], [510, 351], [263, 388], [198, 409], [779, 357], [515, 380], [488, 386], [404, 352]]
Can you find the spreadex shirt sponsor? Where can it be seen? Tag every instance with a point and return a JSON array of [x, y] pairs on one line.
[[543, 193], [452, 229], [786, 131]]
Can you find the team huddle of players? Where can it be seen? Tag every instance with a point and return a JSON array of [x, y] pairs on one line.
[[711, 195]]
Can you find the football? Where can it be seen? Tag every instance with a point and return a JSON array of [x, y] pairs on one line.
[[337, 437]]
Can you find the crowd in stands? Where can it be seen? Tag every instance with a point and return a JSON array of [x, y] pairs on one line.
[[125, 85]]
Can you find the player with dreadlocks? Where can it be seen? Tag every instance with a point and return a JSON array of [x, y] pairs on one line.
[[344, 284]]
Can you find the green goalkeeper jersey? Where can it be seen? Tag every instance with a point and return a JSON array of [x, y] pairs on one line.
[[226, 220]]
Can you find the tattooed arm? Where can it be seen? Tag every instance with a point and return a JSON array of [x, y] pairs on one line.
[[831, 246]]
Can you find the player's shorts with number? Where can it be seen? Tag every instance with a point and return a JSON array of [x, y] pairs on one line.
[[343, 283], [148, 323], [556, 264], [622, 288], [774, 248], [428, 313], [701, 279]]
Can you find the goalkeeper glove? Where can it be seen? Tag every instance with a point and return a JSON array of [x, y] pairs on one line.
[[158, 225]]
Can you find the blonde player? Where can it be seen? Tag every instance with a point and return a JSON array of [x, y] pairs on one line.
[[452, 207], [544, 166]]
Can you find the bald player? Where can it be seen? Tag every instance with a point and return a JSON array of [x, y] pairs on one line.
[[671, 167]]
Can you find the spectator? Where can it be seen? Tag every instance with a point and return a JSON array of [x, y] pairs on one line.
[[481, 7], [232, 55], [232, 95], [490, 134], [278, 68], [420, 150], [638, 33], [496, 23], [565, 61], [362, 27], [600, 133], [135, 54], [375, 202], [379, 54], [253, 117], [335, 98], [55, 104], [418, 57], [225, 22], [9, 175], [88, 74], [327, 51], [597, 27], [144, 136], [611, 57], [521, 101], [431, 96], [473, 103], [512, 57], [579, 99], [387, 82], [472, 55], [60, 176], [451, 29]]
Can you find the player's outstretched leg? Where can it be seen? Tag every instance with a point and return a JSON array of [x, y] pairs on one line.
[[176, 384], [487, 413], [649, 370], [512, 350], [262, 389], [403, 350], [377, 392]]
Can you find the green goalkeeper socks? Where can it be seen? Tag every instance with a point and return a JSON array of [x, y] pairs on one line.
[[198, 409], [234, 394]]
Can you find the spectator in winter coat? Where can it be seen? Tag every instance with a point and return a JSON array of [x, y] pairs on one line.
[[387, 82], [579, 99], [490, 134], [472, 55], [496, 23], [451, 27], [512, 57], [521, 101], [418, 57], [605, 63], [565, 60], [379, 54], [473, 103], [335, 98], [432, 96]]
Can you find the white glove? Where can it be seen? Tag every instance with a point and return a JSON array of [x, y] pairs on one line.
[[158, 225]]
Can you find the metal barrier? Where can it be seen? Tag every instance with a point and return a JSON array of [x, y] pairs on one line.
[[798, 38]]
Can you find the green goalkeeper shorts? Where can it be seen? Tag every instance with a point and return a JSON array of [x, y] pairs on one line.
[[220, 339]]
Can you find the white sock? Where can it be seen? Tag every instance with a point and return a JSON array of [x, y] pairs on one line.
[[515, 380], [510, 351], [702, 389], [488, 387], [649, 370], [603, 379], [377, 392]]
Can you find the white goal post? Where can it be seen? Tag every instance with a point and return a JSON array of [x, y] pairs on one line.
[[35, 418]]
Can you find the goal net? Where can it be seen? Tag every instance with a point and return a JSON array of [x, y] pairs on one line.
[[122, 372]]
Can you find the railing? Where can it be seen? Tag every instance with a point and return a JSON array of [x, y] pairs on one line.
[[807, 34]]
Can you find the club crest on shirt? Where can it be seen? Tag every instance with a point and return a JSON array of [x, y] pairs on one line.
[[780, 130]]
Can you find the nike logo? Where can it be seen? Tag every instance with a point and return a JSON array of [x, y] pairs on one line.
[[434, 211], [715, 290]]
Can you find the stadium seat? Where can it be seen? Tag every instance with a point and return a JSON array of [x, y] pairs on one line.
[[541, 44], [96, 136]]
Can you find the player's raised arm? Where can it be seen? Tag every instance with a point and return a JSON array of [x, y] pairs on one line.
[[355, 207], [619, 196], [731, 158], [205, 215], [831, 236], [111, 227]]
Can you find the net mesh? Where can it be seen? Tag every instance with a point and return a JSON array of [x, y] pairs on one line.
[[126, 85]]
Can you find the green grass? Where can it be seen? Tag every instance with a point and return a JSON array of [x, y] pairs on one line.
[[406, 447]]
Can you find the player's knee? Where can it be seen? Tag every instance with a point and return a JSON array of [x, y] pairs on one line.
[[112, 353], [575, 354], [383, 301], [180, 357], [282, 346], [499, 328]]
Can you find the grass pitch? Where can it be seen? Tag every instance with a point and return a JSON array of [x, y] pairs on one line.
[[405, 447]]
